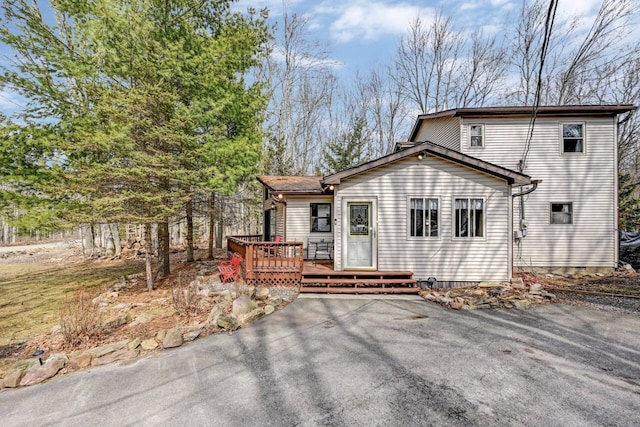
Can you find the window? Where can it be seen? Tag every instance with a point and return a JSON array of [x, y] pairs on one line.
[[423, 217], [320, 217], [469, 218], [573, 138], [476, 133], [561, 213]]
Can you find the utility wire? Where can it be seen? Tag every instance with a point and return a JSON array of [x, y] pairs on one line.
[[548, 26]]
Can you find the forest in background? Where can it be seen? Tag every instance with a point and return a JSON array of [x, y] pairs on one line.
[[150, 119]]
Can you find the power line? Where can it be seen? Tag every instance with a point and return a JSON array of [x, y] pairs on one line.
[[548, 26]]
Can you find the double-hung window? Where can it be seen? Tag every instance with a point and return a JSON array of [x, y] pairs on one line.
[[573, 138], [424, 217], [320, 217], [476, 135], [468, 217]]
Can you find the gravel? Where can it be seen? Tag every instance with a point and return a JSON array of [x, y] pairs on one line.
[[606, 303]]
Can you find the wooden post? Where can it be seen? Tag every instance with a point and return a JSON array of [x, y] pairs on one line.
[[248, 261]]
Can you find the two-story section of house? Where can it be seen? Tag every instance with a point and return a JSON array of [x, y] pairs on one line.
[[570, 220]]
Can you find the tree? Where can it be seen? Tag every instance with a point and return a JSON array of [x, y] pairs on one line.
[[348, 151], [142, 102], [301, 92]]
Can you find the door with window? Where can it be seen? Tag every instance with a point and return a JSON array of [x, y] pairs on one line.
[[360, 235]]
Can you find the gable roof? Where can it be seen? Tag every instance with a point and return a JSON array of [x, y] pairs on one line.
[[293, 184], [512, 177], [543, 111]]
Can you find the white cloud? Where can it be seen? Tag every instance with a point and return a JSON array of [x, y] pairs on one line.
[[577, 8], [371, 20], [469, 6], [308, 61]]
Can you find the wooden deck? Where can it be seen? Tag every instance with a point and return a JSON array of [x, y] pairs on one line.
[[282, 264], [322, 278]]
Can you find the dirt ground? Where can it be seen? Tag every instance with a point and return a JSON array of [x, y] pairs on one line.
[[36, 282]]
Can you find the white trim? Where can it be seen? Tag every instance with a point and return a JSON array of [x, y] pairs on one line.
[[484, 219], [408, 217], [584, 139]]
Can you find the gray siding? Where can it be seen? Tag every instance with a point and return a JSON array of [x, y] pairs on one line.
[[588, 180], [443, 131], [446, 258], [298, 219]]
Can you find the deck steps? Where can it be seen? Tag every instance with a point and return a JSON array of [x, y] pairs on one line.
[[325, 280]]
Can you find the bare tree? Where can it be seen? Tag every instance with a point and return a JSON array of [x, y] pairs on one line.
[[438, 68], [302, 85]]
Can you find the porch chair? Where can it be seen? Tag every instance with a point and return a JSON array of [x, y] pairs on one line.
[[324, 248]]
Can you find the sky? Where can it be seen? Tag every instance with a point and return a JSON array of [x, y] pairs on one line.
[[363, 34]]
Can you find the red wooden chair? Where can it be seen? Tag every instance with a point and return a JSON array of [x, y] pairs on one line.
[[230, 269]]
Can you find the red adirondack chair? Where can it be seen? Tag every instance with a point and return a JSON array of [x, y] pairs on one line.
[[230, 269]]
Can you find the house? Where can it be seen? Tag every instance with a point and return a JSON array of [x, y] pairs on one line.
[[472, 195]]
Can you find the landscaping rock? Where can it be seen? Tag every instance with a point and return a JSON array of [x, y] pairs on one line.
[[262, 293], [150, 344], [161, 334], [117, 321], [228, 322], [80, 359], [252, 316], [520, 304], [214, 314], [192, 334], [54, 363], [109, 348], [456, 305], [133, 344], [173, 338], [275, 301], [517, 283], [242, 305], [12, 379], [268, 309], [25, 365], [535, 287], [140, 319], [116, 356]]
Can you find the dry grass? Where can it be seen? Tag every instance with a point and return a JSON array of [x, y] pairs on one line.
[[80, 318], [32, 294]]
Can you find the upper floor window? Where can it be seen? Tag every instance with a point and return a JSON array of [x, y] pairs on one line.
[[476, 134], [573, 137], [469, 217], [423, 217], [561, 213], [320, 217]]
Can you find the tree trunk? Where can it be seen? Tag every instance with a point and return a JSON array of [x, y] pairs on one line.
[[212, 223], [163, 250], [189, 209], [115, 234], [220, 230], [147, 258]]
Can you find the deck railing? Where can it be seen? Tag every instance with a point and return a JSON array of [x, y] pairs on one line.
[[269, 263]]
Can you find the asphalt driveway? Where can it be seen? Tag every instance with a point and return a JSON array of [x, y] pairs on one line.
[[367, 361]]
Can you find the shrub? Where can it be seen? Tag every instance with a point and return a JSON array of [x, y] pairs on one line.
[[80, 318]]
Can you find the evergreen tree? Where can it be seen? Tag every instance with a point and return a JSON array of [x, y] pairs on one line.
[[628, 204], [348, 151], [137, 104]]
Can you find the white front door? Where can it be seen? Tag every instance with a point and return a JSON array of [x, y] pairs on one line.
[[360, 235]]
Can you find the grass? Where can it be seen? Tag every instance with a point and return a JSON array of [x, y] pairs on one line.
[[32, 294]]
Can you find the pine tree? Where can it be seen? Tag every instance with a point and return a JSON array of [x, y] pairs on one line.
[[348, 151]]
